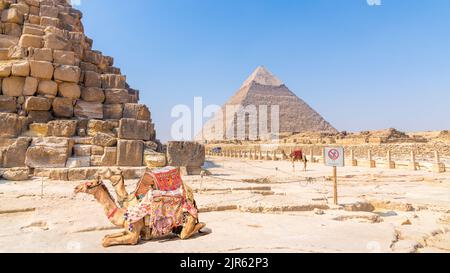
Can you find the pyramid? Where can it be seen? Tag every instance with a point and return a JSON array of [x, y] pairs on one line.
[[263, 88], [62, 103]]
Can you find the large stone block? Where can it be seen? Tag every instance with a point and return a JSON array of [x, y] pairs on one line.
[[104, 140], [12, 15], [62, 128], [116, 96], [113, 111], [8, 104], [30, 87], [82, 150], [67, 73], [82, 174], [113, 81], [69, 90], [41, 54], [28, 40], [154, 159], [5, 69], [41, 69], [63, 107], [93, 94], [50, 152], [64, 57], [14, 155], [135, 129], [109, 158], [136, 111], [13, 86], [95, 127], [17, 174], [37, 104], [56, 42], [78, 162], [38, 129], [21, 69], [130, 153], [39, 116], [48, 88], [185, 154], [92, 79], [48, 11], [88, 110]]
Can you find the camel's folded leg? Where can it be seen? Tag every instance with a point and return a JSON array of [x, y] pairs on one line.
[[115, 235], [130, 237], [191, 227]]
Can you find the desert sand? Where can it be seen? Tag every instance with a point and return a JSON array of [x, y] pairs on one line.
[[250, 206]]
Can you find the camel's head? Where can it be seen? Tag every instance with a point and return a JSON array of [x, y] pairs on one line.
[[107, 173], [89, 187]]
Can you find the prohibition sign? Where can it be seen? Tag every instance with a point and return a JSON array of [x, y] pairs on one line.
[[333, 154]]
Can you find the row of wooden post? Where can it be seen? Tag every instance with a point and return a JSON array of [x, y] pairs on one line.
[[438, 166]]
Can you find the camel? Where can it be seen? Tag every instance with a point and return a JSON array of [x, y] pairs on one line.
[[295, 156], [132, 233]]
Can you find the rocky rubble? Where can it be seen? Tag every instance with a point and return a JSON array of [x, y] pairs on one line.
[[62, 103]]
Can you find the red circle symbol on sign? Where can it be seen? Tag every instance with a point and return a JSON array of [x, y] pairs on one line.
[[334, 154]]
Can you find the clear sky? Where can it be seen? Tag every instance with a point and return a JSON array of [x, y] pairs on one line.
[[362, 67]]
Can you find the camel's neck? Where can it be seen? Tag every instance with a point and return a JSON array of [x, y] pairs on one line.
[[104, 198], [119, 186]]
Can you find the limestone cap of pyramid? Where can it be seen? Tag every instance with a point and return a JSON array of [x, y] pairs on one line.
[[264, 77]]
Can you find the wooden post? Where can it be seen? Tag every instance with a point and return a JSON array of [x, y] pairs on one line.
[[438, 167], [352, 156], [390, 163], [413, 163], [372, 163], [311, 155], [335, 189], [275, 156]]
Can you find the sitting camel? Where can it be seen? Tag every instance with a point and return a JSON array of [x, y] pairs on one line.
[[133, 232]]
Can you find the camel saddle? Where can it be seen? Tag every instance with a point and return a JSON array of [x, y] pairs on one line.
[[163, 203]]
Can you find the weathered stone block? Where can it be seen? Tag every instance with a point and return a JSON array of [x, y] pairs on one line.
[[12, 15], [8, 104], [17, 174], [99, 126], [112, 111], [135, 129], [21, 69], [47, 87], [88, 110], [48, 11], [80, 150], [14, 155], [58, 174], [67, 73], [69, 90], [113, 81], [116, 96], [92, 79], [78, 162], [28, 40], [37, 104], [136, 111], [41, 54], [97, 150], [82, 174], [56, 41], [63, 107], [104, 140], [13, 86], [50, 152], [39, 129], [49, 22], [62, 128], [186, 154], [64, 57], [39, 116], [130, 153], [41, 69], [154, 159], [93, 94], [30, 87], [5, 69]]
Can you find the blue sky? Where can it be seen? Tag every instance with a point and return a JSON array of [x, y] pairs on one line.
[[362, 67]]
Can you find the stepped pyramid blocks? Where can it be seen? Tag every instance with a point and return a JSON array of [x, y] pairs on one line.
[[262, 89], [62, 103]]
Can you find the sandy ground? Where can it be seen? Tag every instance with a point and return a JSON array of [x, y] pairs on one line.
[[251, 206]]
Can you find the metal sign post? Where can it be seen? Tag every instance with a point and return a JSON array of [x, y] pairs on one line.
[[334, 157]]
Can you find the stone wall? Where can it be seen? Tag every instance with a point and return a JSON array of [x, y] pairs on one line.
[[62, 103]]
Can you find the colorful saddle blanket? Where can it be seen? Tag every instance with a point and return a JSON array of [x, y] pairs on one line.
[[163, 201]]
